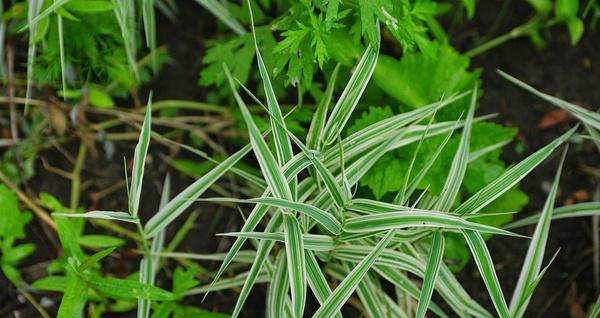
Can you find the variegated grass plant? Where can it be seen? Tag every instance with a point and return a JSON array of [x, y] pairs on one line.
[[309, 233]]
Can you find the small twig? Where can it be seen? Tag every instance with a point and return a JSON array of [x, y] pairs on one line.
[[35, 303], [596, 240]]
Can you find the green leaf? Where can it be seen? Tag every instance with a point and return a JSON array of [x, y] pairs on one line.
[[15, 254], [414, 218], [535, 254], [125, 289], [271, 170], [100, 241], [253, 276], [278, 287], [90, 261], [459, 162], [51, 283], [470, 7], [74, 298], [569, 211], [220, 12], [105, 215], [340, 295], [185, 198], [509, 178], [589, 117], [317, 281], [351, 95], [12, 220], [99, 98], [294, 248], [576, 28], [566, 9], [488, 273], [326, 219], [89, 6], [433, 266], [417, 80], [139, 161]]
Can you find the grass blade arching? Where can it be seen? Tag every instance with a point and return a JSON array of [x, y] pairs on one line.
[[294, 248], [535, 253], [484, 262], [139, 161], [510, 177], [433, 267], [340, 295]]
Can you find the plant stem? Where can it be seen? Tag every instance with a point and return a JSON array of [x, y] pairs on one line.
[[76, 176], [523, 30]]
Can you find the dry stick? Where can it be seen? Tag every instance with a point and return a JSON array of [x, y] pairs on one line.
[[14, 129], [596, 240]]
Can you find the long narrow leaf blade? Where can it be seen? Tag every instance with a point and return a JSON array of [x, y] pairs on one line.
[[535, 254], [294, 248], [488, 273], [510, 177], [433, 267], [351, 95], [343, 291]]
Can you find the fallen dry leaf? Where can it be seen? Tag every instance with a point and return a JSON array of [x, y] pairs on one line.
[[554, 118]]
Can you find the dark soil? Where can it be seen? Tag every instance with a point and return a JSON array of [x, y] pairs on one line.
[[568, 72], [571, 73]]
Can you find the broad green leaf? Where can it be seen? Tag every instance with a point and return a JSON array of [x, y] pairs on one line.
[[51, 283], [125, 289], [535, 253], [89, 6], [12, 220], [351, 95], [100, 241], [294, 248], [340, 295], [433, 267], [488, 273], [510, 177], [74, 298]]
